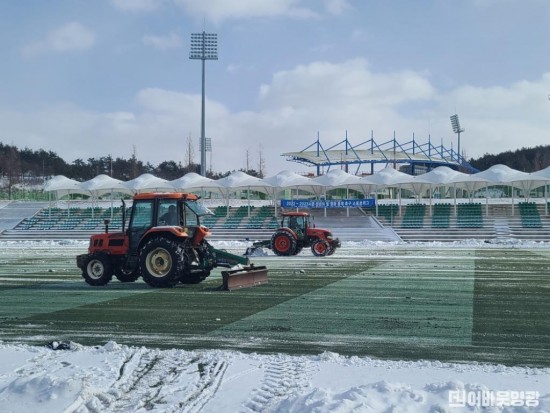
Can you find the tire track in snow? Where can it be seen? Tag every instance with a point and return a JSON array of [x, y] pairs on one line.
[[163, 381], [282, 378]]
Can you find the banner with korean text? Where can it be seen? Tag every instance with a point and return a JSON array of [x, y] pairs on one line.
[[340, 203]]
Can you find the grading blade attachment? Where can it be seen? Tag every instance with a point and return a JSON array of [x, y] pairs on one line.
[[244, 277]]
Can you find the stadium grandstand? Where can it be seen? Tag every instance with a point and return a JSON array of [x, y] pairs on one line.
[[441, 205]]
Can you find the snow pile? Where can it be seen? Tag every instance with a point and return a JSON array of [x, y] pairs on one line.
[[114, 378]]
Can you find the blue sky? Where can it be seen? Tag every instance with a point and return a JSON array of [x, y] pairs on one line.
[[90, 78]]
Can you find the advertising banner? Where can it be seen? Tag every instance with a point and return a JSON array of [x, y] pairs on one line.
[[339, 203]]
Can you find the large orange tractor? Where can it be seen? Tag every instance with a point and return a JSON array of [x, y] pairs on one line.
[[165, 245], [297, 232]]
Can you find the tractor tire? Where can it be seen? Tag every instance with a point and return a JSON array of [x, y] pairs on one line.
[[161, 262], [283, 244], [126, 276], [97, 270], [320, 248]]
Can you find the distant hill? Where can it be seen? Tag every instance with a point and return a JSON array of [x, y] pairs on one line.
[[524, 159]]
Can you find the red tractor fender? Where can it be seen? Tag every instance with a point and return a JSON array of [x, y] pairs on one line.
[[178, 232]]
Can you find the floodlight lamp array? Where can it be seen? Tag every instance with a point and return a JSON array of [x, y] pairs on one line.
[[455, 123], [204, 46]]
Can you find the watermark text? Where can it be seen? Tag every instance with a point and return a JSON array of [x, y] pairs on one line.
[[490, 398]]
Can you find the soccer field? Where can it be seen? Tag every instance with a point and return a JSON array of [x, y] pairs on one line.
[[447, 303]]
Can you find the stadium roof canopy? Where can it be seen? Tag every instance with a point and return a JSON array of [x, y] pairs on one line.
[[386, 178], [370, 152]]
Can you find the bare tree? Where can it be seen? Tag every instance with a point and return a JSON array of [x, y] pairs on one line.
[[261, 161], [134, 163], [190, 153], [10, 162]]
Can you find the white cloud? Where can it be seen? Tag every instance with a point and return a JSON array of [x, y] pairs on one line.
[[337, 7], [171, 41], [137, 5], [348, 83], [218, 10], [70, 37], [323, 97]]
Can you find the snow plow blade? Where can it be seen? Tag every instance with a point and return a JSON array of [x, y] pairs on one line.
[[244, 277]]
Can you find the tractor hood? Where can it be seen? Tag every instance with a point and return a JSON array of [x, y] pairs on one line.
[[320, 233]]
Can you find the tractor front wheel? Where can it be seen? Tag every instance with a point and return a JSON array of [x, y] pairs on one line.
[[97, 270], [320, 248], [282, 243], [161, 262]]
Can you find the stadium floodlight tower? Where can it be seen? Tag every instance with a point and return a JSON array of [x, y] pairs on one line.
[[204, 46], [455, 123]]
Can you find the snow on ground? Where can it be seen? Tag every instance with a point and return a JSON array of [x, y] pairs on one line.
[[115, 378]]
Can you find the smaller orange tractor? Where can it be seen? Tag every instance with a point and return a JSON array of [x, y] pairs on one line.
[[296, 233]]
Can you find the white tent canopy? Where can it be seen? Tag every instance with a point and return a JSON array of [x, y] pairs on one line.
[[240, 180], [392, 178], [441, 175], [103, 184], [502, 174], [291, 180], [193, 181], [337, 178], [62, 185], [148, 182]]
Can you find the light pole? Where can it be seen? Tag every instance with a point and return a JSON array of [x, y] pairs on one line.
[[204, 46], [455, 123]]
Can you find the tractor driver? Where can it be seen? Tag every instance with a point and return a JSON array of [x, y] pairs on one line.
[[170, 217], [294, 225]]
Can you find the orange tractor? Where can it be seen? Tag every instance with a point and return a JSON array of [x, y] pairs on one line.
[[165, 245], [297, 232]]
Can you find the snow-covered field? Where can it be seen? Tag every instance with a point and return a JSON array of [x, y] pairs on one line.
[[117, 378]]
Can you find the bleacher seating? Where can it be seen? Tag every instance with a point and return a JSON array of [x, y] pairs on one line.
[[530, 217], [469, 216], [261, 218], [92, 219], [388, 212], [414, 216], [58, 219], [441, 217], [209, 220]]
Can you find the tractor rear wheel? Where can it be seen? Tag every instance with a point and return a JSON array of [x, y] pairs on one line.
[[97, 270], [161, 262], [282, 243], [320, 248]]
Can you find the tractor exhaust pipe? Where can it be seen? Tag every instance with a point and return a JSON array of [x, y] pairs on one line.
[[123, 215]]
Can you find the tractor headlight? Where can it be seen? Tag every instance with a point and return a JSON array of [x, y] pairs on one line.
[[329, 235]]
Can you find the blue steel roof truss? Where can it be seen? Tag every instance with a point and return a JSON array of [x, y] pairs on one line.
[[433, 155]]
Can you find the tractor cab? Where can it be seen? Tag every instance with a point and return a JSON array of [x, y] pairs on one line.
[[153, 213], [298, 222]]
